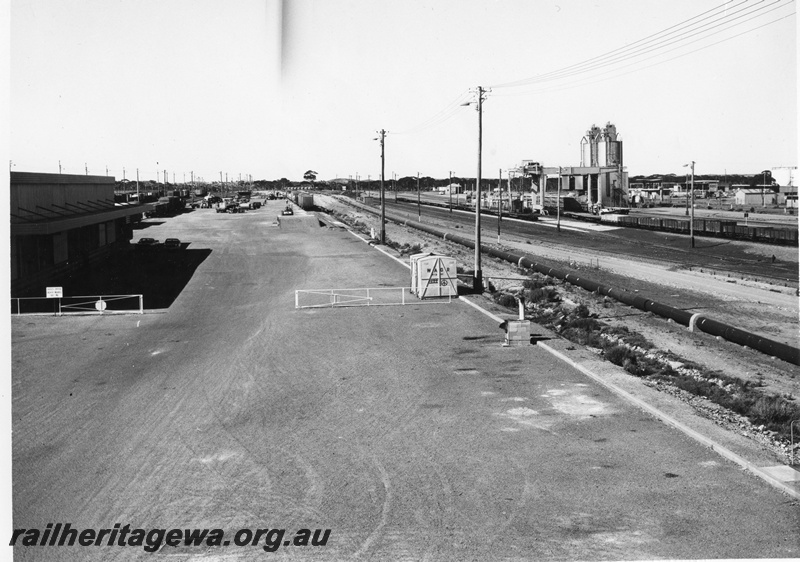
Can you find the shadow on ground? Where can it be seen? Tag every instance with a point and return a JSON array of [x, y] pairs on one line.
[[158, 274]]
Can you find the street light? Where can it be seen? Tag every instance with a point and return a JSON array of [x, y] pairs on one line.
[[691, 220], [477, 280]]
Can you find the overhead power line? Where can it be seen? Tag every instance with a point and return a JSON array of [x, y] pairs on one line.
[[581, 83], [685, 33], [682, 35], [441, 116]]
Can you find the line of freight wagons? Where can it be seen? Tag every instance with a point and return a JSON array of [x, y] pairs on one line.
[[714, 227]]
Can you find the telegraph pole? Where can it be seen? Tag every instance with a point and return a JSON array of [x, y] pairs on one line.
[[499, 203], [419, 207], [691, 221], [450, 191], [383, 197], [478, 275], [558, 202]]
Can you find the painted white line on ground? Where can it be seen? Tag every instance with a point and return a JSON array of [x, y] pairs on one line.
[[401, 262], [479, 309]]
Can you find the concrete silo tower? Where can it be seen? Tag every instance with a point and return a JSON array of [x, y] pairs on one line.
[[601, 147]]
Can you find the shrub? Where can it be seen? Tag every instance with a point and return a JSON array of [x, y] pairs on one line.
[[583, 323], [534, 283], [581, 311], [506, 300], [617, 354], [542, 295], [582, 337]]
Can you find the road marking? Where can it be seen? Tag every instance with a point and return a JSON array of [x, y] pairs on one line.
[[401, 262]]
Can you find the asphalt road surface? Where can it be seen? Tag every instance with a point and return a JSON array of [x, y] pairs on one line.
[[408, 431]]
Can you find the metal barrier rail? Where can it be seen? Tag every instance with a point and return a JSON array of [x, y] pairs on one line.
[[373, 296], [80, 304]]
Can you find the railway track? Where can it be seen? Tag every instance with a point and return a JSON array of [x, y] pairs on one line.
[[724, 257]]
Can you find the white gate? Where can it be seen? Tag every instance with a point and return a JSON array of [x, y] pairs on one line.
[[96, 304], [374, 296]]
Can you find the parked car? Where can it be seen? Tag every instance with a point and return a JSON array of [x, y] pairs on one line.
[[287, 211], [172, 244], [146, 243]]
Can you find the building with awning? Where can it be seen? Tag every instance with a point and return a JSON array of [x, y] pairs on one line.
[[60, 222]]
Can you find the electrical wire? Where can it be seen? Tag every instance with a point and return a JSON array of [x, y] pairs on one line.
[[445, 114], [678, 36], [575, 84], [684, 38]]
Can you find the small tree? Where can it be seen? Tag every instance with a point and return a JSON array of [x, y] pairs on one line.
[[311, 176]]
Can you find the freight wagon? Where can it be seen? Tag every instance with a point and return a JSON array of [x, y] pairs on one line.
[[714, 227]]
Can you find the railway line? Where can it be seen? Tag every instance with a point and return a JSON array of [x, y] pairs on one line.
[[722, 256]]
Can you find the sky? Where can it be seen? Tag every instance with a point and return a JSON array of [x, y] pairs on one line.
[[272, 88]]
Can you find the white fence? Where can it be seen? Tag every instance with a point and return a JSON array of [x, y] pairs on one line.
[[94, 304], [377, 296]]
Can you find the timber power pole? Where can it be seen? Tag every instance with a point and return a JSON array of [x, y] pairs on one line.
[[383, 193]]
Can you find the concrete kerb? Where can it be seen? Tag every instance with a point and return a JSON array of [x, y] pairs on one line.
[[669, 420], [660, 415]]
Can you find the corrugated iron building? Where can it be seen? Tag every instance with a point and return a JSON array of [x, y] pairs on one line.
[[60, 222]]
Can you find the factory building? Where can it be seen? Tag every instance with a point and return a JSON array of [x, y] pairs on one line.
[[599, 180], [60, 222]]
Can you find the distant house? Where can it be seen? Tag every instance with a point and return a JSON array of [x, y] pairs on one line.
[[452, 188], [755, 196]]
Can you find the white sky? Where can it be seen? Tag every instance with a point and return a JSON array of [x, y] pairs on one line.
[[210, 86]]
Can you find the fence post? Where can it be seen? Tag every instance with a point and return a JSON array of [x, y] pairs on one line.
[[141, 304]]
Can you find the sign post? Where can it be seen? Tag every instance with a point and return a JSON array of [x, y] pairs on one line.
[[55, 293]]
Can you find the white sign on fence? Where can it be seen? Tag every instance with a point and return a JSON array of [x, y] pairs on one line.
[[54, 292]]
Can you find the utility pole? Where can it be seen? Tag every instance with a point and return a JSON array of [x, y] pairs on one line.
[[419, 207], [499, 203], [692, 219], [86, 167], [477, 286], [558, 202], [686, 182], [59, 166], [383, 198], [138, 197], [450, 191]]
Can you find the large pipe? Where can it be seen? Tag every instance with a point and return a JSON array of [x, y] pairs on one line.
[[713, 327]]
